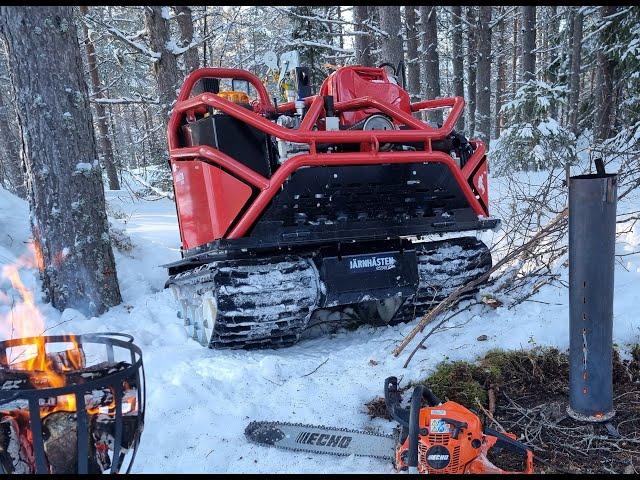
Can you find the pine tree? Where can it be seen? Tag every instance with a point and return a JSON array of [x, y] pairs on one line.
[[66, 195]]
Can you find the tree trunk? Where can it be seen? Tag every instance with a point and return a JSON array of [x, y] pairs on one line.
[[483, 85], [552, 65], [66, 195], [458, 58], [413, 58], [185, 23], [391, 44], [205, 32], [363, 43], [604, 81], [10, 161], [576, 53], [528, 43], [514, 57], [429, 21], [101, 115], [166, 67], [472, 51], [483, 96], [500, 77]]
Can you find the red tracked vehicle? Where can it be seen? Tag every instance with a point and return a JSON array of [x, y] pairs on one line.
[[292, 213]]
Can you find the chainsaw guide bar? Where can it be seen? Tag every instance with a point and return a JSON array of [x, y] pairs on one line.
[[321, 439]]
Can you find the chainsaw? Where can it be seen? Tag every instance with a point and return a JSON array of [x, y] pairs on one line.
[[440, 438]]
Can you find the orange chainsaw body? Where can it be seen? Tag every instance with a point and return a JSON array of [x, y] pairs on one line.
[[445, 449]]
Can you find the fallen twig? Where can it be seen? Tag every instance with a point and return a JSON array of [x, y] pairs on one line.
[[315, 369], [490, 416]]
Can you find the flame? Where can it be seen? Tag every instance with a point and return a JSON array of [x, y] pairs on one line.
[[25, 320]]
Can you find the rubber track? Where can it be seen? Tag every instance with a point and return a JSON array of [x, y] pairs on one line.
[[442, 267], [267, 303], [262, 303]]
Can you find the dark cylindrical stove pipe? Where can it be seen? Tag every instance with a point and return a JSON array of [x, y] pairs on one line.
[[592, 231]]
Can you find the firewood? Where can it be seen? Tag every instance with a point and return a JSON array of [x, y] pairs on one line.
[[11, 379], [59, 427], [60, 432], [16, 456], [71, 359]]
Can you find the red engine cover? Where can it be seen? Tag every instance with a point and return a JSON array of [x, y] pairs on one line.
[[349, 83], [208, 200]]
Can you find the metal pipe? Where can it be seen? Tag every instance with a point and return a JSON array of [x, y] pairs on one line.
[[592, 229]]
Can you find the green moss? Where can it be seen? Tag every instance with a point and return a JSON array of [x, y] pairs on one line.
[[459, 381], [542, 368]]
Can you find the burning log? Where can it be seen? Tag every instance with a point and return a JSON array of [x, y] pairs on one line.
[[60, 437], [15, 379], [16, 452], [87, 429], [60, 423], [71, 359]]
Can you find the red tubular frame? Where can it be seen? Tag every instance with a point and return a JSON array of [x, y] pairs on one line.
[[418, 132]]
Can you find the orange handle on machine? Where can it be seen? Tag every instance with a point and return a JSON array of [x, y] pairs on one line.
[[234, 96]]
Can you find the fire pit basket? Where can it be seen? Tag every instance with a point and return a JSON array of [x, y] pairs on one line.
[[117, 433]]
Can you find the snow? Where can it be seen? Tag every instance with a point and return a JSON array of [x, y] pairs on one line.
[[165, 12], [199, 400], [83, 167]]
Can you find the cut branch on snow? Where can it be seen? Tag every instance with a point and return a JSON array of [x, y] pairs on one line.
[[456, 295]]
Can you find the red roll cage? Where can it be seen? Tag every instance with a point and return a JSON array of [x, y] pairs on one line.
[[469, 178]]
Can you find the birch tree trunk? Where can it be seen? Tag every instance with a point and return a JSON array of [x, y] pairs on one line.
[[458, 58], [413, 58], [363, 41], [576, 54], [528, 43], [472, 49], [483, 95], [391, 44], [101, 114], [66, 195], [429, 20], [185, 23], [166, 67]]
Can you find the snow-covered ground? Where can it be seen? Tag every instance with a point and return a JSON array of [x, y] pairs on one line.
[[199, 400]]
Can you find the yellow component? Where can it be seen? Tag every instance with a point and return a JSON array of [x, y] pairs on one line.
[[234, 96]]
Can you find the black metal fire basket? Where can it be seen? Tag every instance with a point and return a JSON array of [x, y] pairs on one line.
[[85, 417], [592, 229]]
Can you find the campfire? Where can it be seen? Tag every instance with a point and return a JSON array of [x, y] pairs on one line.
[[68, 404]]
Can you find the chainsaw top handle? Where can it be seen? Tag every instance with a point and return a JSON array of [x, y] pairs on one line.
[[409, 419], [392, 401]]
